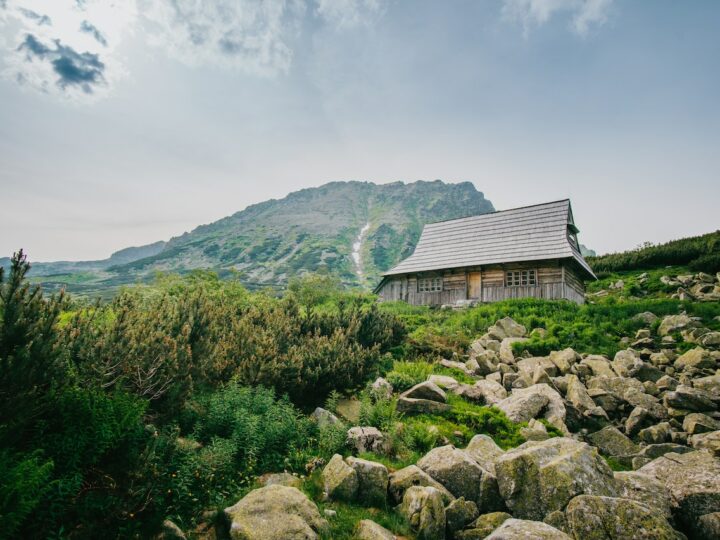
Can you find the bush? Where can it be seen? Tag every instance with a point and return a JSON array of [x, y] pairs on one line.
[[709, 263]]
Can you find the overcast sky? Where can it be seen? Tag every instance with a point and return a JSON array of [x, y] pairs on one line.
[[123, 123]]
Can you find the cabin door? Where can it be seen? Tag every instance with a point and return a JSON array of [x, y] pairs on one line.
[[474, 285]]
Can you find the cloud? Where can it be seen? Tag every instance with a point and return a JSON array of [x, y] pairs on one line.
[[583, 14], [349, 13], [250, 35], [40, 19], [91, 29]]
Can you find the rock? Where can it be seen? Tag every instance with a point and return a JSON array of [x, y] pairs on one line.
[[280, 479], [535, 431], [638, 419], [381, 387], [369, 530], [659, 433], [693, 481], [340, 480], [707, 441], [526, 403], [170, 531], [454, 469], [667, 383], [606, 518], [506, 352], [558, 520], [530, 365], [695, 423], [373, 480], [651, 404], [646, 317], [708, 526], [484, 451], [611, 442], [599, 365], [710, 339], [689, 399], [445, 382], [675, 323], [275, 513], [423, 507], [420, 406], [413, 475], [324, 417], [654, 451], [506, 328], [484, 391], [698, 358], [454, 365], [520, 529], [578, 395], [483, 363], [459, 513], [564, 360], [710, 384], [426, 390], [483, 526], [539, 477], [644, 489], [366, 439]]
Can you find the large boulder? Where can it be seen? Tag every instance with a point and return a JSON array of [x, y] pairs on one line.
[[695, 423], [369, 530], [454, 469], [373, 480], [426, 390], [645, 489], [564, 360], [527, 403], [506, 351], [675, 323], [520, 529], [459, 513], [606, 518], [484, 391], [362, 439], [688, 398], [710, 384], [537, 478], [599, 365], [485, 451], [578, 395], [707, 441], [275, 513], [420, 406], [423, 507], [506, 328], [693, 481], [483, 526], [697, 358], [611, 442], [412, 475], [323, 417], [340, 480]]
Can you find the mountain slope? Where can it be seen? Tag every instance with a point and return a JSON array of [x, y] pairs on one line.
[[311, 230]]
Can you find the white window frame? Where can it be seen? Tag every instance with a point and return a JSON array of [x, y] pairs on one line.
[[430, 284], [521, 278]]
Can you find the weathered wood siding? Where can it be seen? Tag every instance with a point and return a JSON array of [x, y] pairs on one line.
[[555, 280]]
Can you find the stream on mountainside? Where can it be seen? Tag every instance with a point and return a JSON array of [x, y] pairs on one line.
[[356, 250]]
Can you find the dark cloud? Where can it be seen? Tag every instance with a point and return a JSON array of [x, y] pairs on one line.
[[91, 29], [3, 4], [83, 70], [40, 19]]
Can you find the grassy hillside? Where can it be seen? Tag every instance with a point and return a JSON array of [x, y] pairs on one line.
[[699, 253], [312, 230]]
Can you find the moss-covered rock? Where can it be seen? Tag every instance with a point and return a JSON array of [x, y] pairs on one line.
[[373, 480], [423, 507], [520, 529], [275, 513], [455, 470], [608, 518], [413, 475], [340, 480], [539, 477], [483, 526]]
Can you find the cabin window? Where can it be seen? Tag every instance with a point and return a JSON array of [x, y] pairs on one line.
[[430, 284], [520, 278]]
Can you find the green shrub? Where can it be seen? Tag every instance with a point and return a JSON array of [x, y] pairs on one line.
[[488, 420], [24, 481], [709, 263]]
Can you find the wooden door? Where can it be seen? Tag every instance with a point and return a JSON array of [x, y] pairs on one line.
[[474, 285]]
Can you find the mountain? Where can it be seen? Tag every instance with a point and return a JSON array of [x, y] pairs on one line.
[[354, 230]]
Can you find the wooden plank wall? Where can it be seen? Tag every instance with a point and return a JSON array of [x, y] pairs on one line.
[[550, 285]]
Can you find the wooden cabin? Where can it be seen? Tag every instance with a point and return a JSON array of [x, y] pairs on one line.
[[531, 251]]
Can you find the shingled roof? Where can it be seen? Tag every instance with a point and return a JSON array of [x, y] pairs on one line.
[[529, 233]]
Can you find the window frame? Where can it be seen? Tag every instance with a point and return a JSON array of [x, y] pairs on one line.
[[430, 284], [521, 278]]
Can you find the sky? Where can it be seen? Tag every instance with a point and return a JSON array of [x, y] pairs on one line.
[[124, 122]]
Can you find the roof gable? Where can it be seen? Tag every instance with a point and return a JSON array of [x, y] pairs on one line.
[[520, 234]]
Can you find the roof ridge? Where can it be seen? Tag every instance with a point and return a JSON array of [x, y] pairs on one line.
[[497, 211]]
